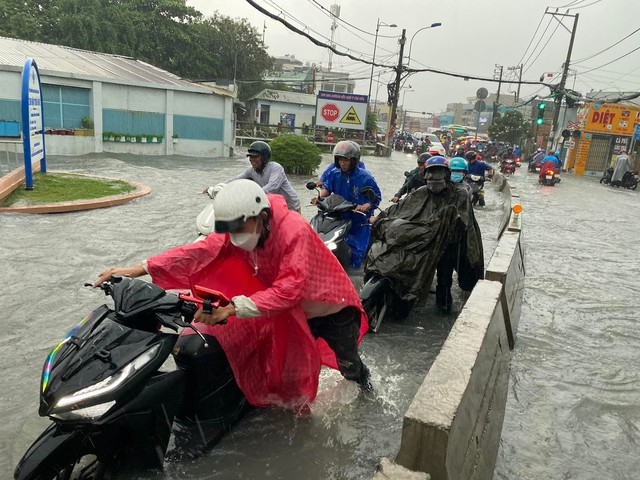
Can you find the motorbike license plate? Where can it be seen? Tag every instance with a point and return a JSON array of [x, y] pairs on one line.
[[549, 177]]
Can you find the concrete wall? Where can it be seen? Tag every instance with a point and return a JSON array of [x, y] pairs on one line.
[[452, 428]]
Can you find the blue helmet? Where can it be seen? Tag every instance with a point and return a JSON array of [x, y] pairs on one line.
[[556, 153], [459, 164], [437, 162]]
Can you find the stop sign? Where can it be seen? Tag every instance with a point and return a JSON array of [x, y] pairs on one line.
[[330, 137], [330, 112]]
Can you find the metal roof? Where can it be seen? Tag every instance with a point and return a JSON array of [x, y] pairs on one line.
[[286, 97], [72, 61]]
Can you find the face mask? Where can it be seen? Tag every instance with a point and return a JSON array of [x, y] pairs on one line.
[[436, 186], [456, 177], [245, 241]]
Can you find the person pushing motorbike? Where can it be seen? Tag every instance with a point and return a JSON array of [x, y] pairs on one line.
[[415, 179], [278, 332], [441, 234], [268, 174]]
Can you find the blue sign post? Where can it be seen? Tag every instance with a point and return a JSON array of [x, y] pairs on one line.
[[32, 121]]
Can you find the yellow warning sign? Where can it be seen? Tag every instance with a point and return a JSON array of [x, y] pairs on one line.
[[351, 117]]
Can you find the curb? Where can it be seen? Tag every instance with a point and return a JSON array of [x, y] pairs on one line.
[[79, 205]]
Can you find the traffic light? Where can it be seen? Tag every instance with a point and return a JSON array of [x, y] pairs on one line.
[[541, 107]]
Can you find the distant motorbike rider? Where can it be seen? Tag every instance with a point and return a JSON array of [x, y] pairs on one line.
[[415, 179], [444, 209], [348, 180], [621, 165], [478, 168], [537, 158], [268, 174], [549, 162]]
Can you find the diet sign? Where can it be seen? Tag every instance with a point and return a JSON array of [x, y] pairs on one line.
[[341, 110], [329, 112]]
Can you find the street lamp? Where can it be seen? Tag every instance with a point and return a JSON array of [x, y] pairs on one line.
[[375, 44], [433, 25]]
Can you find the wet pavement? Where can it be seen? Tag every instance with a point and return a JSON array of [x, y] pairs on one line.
[[573, 410], [46, 259]]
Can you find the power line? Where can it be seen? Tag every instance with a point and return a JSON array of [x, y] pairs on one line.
[[585, 6], [362, 60], [531, 41], [609, 63], [608, 48], [535, 48], [544, 46]]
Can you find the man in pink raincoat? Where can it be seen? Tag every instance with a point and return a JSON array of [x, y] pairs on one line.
[[293, 306]]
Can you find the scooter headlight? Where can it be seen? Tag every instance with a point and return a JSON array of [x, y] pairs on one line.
[[110, 383], [331, 243], [88, 413], [331, 246]]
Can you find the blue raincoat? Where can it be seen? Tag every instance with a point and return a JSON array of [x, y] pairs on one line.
[[350, 185]]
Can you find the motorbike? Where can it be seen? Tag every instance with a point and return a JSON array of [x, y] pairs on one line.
[[550, 178], [399, 145], [476, 183], [408, 147], [629, 181], [508, 166], [381, 303], [108, 389], [534, 167], [518, 162], [331, 226], [606, 177]]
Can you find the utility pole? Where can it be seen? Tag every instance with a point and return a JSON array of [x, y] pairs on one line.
[[335, 12], [563, 80], [497, 100], [519, 68], [394, 89], [264, 28]]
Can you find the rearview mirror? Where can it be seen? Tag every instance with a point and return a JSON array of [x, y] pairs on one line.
[[311, 185], [406, 174], [371, 195]]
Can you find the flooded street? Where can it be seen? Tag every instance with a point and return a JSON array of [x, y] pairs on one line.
[[573, 410], [47, 258]]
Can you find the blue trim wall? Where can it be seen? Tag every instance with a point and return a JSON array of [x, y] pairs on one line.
[[198, 128], [132, 123], [64, 107]]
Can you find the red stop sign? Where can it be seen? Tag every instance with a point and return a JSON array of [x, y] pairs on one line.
[[330, 112], [330, 138]]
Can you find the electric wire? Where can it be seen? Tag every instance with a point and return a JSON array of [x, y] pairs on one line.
[[393, 67], [538, 43], [585, 6], [544, 46], [608, 48], [531, 41], [609, 63]]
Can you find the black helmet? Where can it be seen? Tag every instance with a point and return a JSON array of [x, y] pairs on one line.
[[423, 158], [471, 155], [346, 149], [260, 148]]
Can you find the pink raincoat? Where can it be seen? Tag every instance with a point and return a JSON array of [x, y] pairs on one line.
[[274, 358]]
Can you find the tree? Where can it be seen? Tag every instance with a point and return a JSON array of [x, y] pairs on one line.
[[165, 33], [512, 128], [372, 123]]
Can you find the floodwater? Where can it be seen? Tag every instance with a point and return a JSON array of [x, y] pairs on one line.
[[46, 258], [573, 410]]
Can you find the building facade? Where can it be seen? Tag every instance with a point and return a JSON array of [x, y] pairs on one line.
[[118, 98]]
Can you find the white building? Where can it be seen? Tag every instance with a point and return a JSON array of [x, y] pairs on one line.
[[120, 95]]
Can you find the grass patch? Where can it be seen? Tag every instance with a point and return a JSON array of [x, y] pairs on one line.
[[64, 187]]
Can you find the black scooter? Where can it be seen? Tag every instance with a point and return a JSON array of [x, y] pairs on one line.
[[330, 224], [112, 406]]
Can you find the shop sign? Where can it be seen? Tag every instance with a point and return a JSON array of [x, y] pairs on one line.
[[612, 118]]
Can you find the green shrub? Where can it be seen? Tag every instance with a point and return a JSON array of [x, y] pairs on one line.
[[296, 154]]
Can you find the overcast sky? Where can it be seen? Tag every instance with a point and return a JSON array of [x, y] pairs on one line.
[[475, 36]]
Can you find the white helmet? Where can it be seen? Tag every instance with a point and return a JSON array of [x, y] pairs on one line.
[[236, 202]]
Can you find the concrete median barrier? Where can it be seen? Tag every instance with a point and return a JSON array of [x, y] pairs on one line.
[[452, 429]]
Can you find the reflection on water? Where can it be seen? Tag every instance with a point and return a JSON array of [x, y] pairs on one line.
[[46, 259]]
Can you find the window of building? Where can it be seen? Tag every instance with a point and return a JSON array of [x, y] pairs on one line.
[[64, 107]]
